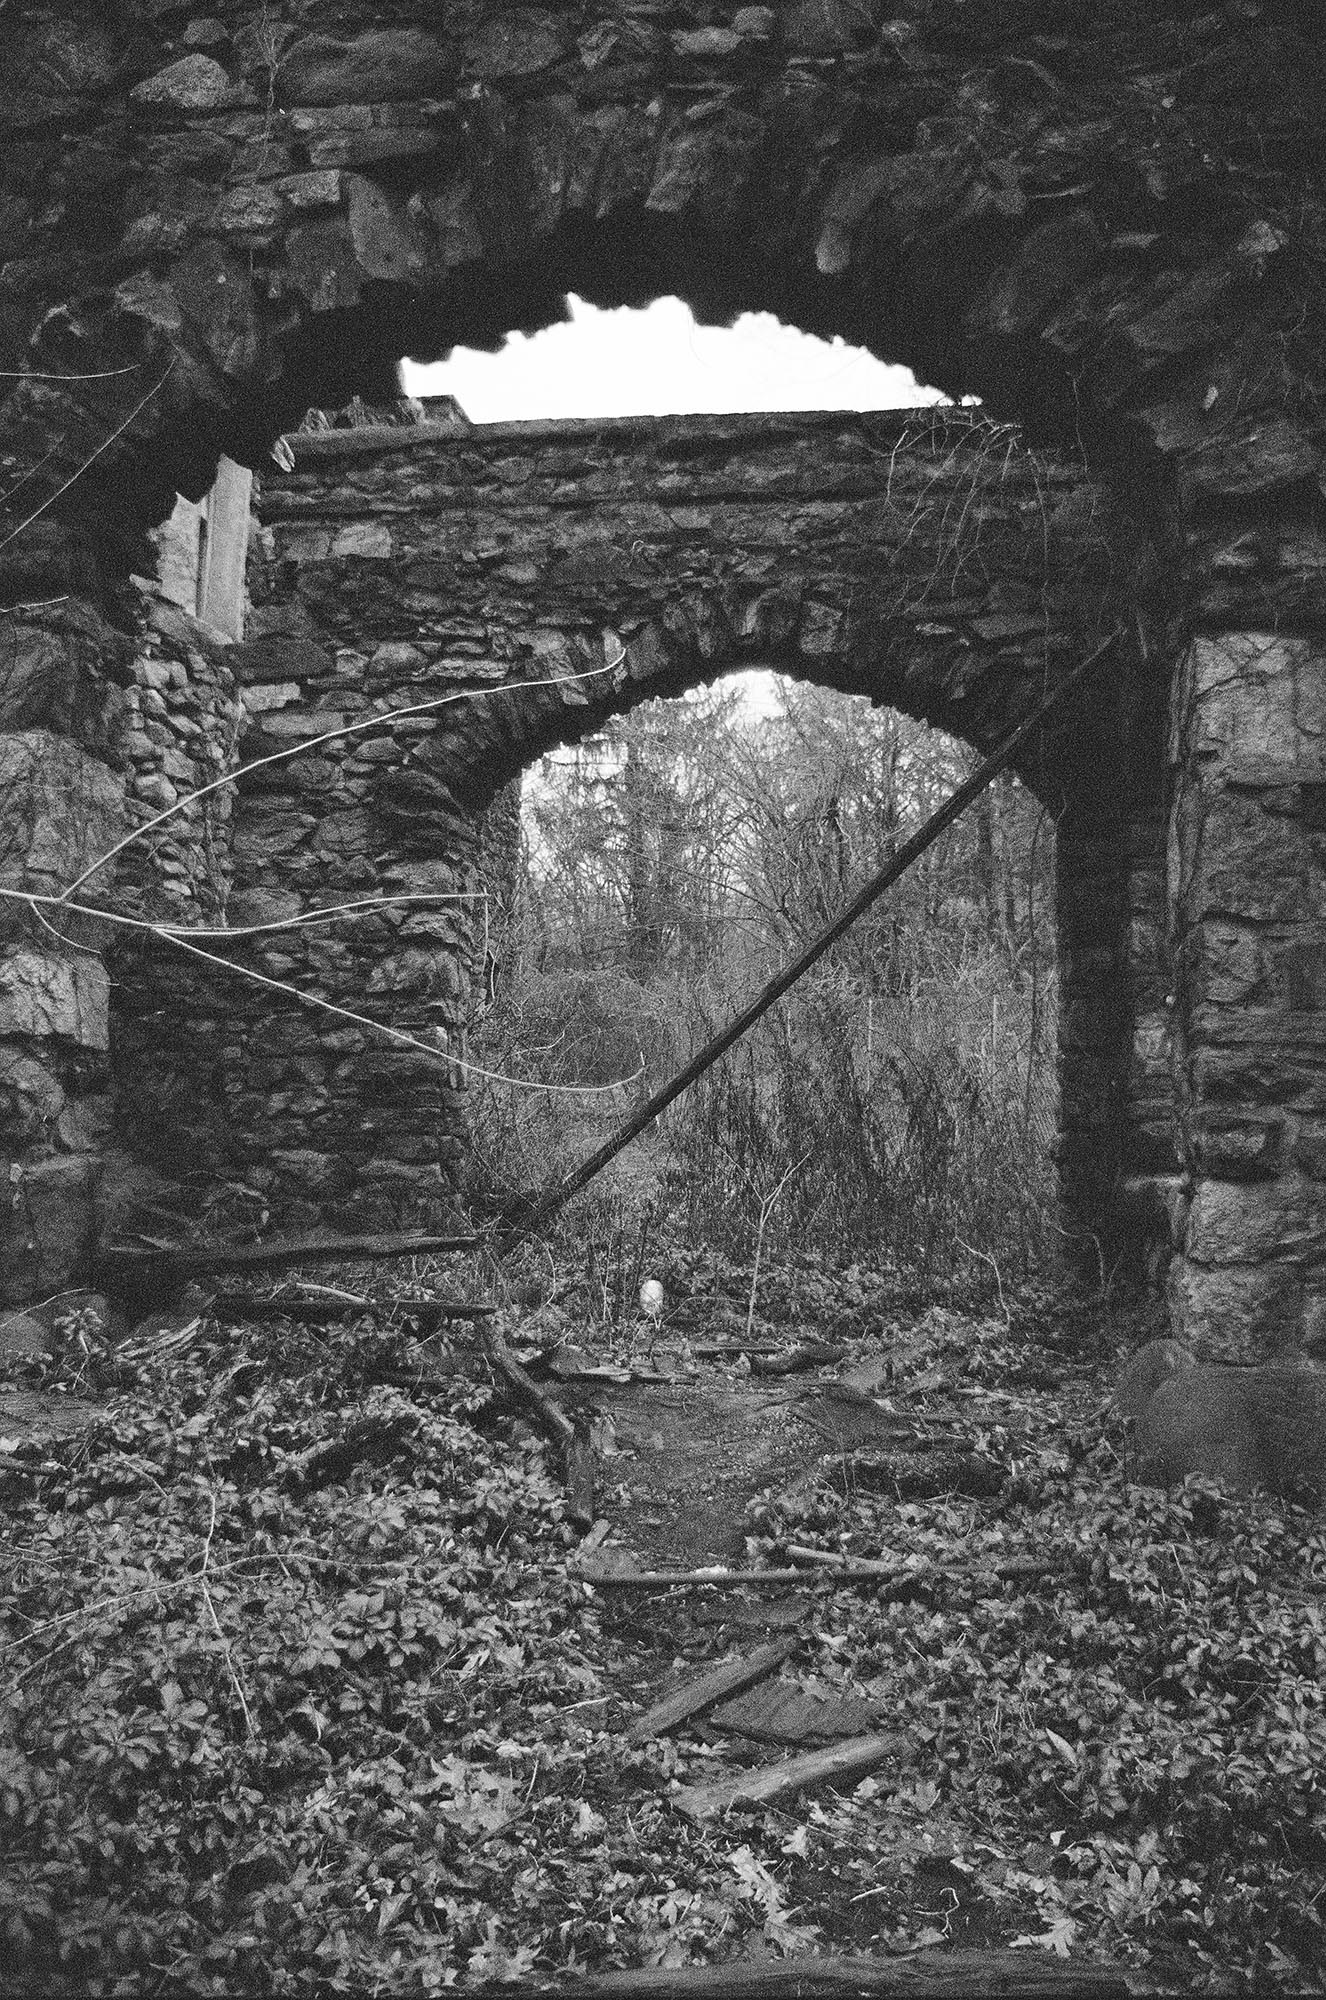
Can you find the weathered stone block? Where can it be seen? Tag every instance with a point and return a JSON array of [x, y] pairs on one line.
[[1227, 964], [1238, 1223], [1300, 974], [1237, 1313], [371, 69], [46, 1223], [194, 83], [31, 1097], [1234, 1148], [60, 809], [44, 995], [371, 148], [369, 540], [315, 190], [1255, 703], [1253, 864]]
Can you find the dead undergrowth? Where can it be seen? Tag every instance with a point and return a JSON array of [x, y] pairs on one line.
[[307, 1687]]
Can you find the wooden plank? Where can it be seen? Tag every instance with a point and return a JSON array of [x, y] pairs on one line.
[[550, 1414], [235, 1306], [577, 1452], [146, 1277], [578, 1467], [703, 1690], [794, 1774], [843, 1570], [781, 1712], [996, 1974], [616, 1578], [790, 1360], [833, 1568]]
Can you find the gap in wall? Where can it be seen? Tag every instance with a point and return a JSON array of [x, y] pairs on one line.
[[671, 862], [658, 360]]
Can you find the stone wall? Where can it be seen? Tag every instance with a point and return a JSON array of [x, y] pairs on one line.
[[127, 721], [1106, 220], [1248, 864], [457, 604]]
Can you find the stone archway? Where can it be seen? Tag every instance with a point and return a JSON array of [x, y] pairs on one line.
[[456, 602], [1110, 227]]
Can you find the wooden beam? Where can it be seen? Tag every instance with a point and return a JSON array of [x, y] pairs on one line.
[[234, 1306], [706, 1690], [996, 1974], [198, 1260], [577, 1454], [851, 1759]]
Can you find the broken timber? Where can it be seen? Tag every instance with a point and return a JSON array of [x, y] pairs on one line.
[[524, 1222], [430, 1313], [706, 1690], [125, 1270], [608, 1575], [577, 1453], [851, 1759], [927, 1975]]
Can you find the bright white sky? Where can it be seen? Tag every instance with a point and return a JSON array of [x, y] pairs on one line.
[[656, 361]]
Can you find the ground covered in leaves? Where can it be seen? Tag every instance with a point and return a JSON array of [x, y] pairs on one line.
[[277, 1720]]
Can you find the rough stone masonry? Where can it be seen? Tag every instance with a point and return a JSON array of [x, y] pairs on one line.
[[1106, 219]]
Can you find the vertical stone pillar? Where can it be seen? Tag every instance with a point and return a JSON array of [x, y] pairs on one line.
[[1247, 883], [1118, 1163], [60, 807]]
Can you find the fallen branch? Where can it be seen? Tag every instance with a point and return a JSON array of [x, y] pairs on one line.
[[577, 1456], [149, 1277], [375, 1437], [929, 1975], [793, 1774], [236, 1307], [789, 1360], [706, 1690], [609, 1576], [407, 1379], [606, 1574]]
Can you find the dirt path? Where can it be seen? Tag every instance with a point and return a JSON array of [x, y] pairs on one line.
[[678, 1464]]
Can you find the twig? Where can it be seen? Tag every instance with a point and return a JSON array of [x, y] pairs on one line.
[[766, 1210], [986, 1257], [216, 1623]]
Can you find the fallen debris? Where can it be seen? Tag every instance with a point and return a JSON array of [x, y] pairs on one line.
[[929, 1975], [726, 1350], [912, 1475], [378, 1438], [611, 1570], [790, 1360], [793, 1774], [704, 1690], [604, 1574], [780, 1712], [150, 1276], [238, 1308], [577, 1453]]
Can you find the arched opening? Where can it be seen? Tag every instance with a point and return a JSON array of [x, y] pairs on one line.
[[901, 1105], [928, 561], [434, 608]]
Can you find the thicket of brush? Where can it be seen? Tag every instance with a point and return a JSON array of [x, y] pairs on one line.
[[899, 1101]]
